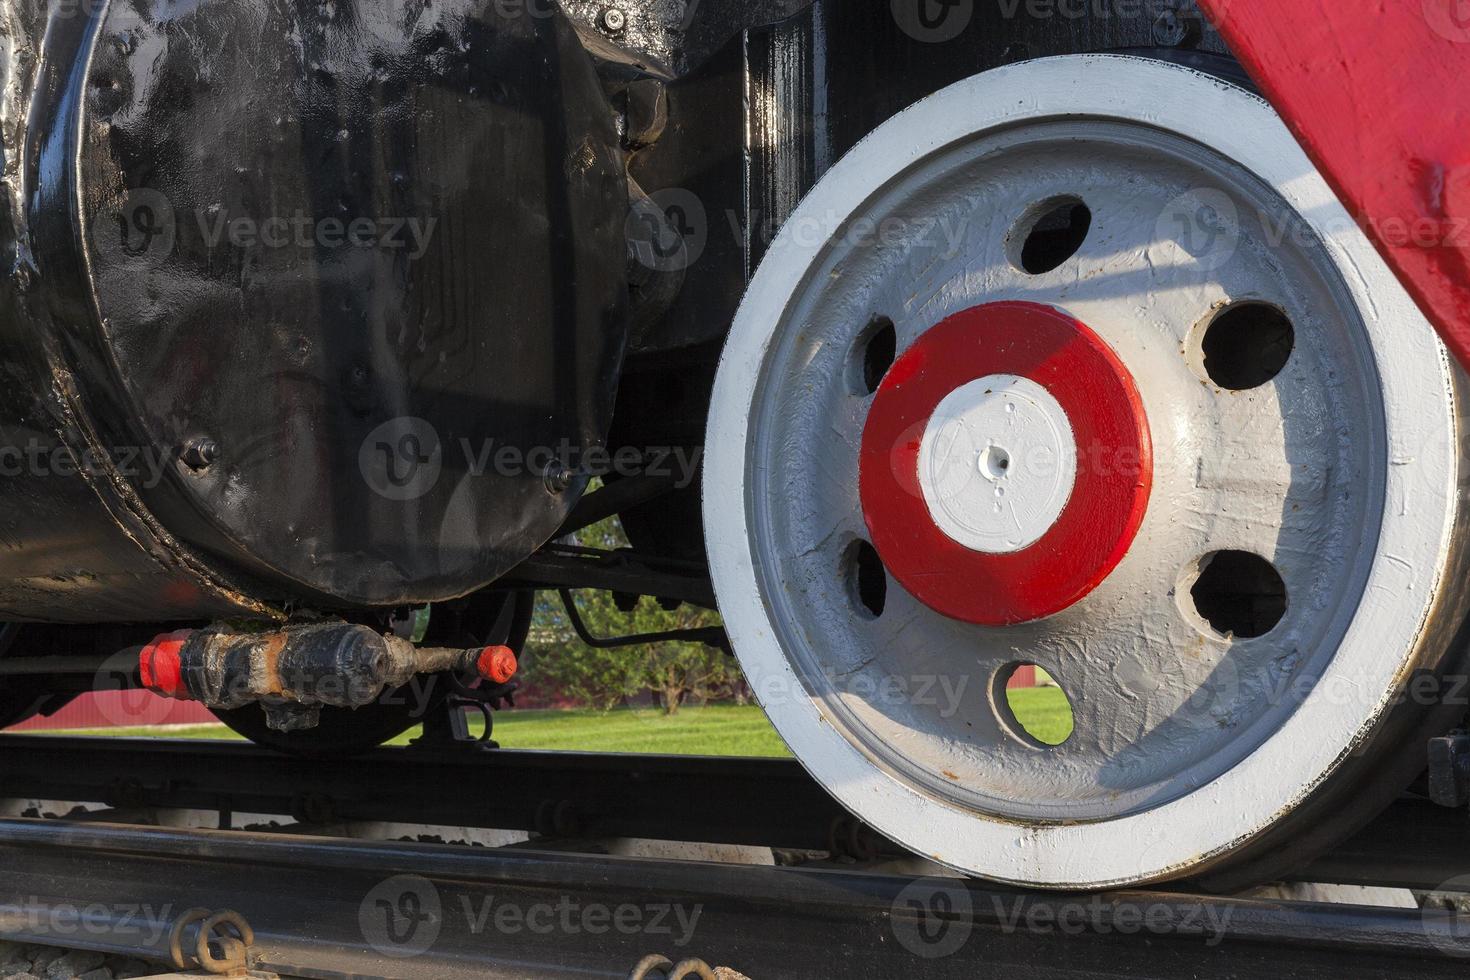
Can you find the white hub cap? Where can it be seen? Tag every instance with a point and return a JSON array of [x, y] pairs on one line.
[[1280, 478], [998, 463]]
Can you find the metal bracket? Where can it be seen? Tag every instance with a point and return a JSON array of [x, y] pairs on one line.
[[222, 943], [561, 566], [1449, 769], [669, 38]]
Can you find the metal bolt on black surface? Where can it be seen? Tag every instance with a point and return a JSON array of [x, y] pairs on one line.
[[1173, 29], [613, 20], [200, 453], [559, 480]]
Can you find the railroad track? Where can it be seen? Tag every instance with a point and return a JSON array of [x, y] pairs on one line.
[[760, 802], [321, 906]]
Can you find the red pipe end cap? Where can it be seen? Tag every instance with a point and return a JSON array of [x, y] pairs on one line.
[[498, 664], [161, 665]]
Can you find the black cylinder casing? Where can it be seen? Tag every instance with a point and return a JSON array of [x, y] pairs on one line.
[[301, 301]]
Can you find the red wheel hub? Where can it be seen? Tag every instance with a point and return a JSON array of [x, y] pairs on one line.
[[1006, 464]]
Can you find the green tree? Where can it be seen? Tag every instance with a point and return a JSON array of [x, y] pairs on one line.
[[675, 674]]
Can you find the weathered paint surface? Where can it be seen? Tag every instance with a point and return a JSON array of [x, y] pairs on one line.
[[1343, 473], [1377, 95], [272, 313]]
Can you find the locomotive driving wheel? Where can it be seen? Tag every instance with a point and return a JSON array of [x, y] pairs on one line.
[[1080, 365]]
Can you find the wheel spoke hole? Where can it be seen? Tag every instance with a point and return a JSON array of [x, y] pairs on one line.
[[867, 579], [1247, 345], [1033, 705], [876, 350], [1050, 234], [1239, 594]]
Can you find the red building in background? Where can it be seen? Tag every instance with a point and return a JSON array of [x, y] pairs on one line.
[[120, 709]]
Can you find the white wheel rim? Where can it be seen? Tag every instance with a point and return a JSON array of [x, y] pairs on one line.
[[1402, 580]]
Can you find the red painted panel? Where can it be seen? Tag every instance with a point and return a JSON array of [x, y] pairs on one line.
[[1378, 92], [121, 709]]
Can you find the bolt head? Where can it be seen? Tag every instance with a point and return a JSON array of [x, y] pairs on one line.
[[1171, 30], [200, 453], [614, 20], [559, 480]]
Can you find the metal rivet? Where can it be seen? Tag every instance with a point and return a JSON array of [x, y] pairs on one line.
[[614, 20], [1174, 28]]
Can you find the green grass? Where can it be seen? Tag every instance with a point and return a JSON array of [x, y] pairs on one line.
[[1043, 712], [714, 730], [180, 731]]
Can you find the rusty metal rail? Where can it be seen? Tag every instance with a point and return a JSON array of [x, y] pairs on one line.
[[320, 907], [324, 907]]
